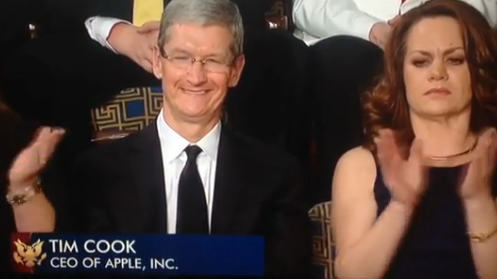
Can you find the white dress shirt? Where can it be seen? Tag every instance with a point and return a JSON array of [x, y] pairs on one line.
[[99, 28], [174, 158], [319, 19]]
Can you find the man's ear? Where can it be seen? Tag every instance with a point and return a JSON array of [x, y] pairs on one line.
[[236, 70], [157, 62]]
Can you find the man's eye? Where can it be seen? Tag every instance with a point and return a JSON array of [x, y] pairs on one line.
[[213, 61]]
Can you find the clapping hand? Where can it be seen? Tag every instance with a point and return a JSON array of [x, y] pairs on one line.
[[394, 21], [476, 179], [404, 176], [380, 34], [30, 162]]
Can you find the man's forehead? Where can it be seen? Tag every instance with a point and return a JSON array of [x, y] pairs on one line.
[[198, 38], [192, 28]]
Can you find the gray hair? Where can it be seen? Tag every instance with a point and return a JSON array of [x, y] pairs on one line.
[[206, 13]]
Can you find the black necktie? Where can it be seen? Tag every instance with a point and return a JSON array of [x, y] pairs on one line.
[[192, 206]]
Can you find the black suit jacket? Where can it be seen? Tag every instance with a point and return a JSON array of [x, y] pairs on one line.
[[257, 192]]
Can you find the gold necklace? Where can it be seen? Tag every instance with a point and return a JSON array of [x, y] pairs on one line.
[[442, 158]]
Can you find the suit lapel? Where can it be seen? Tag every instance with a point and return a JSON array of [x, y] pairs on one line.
[[231, 177], [147, 170]]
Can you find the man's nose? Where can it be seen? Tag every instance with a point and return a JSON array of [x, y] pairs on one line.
[[197, 74]]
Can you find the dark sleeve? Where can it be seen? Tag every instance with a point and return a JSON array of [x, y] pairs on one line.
[[289, 243], [13, 24], [57, 79], [65, 15], [80, 196]]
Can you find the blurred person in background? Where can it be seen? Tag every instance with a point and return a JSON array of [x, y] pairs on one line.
[[20, 122], [16, 133], [33, 84]]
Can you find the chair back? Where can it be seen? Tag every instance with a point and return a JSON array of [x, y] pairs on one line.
[[129, 111], [322, 241]]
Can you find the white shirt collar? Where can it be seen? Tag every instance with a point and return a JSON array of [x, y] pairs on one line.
[[173, 144]]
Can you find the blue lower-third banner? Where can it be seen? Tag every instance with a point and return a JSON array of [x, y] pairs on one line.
[[210, 255]]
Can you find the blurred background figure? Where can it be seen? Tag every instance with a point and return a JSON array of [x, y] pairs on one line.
[[17, 131], [39, 78], [418, 198]]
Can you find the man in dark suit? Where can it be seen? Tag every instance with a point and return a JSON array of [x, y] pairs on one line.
[[187, 173], [272, 88], [264, 104]]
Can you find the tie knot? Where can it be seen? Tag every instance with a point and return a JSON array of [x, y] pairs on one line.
[[192, 152]]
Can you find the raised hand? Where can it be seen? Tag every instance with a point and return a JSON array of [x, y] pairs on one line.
[[151, 26], [394, 21], [136, 43], [404, 175], [27, 166], [476, 178], [380, 34]]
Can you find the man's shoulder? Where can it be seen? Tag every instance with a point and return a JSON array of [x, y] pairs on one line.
[[111, 151], [265, 154]]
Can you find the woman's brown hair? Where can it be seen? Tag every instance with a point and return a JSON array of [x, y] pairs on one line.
[[385, 106]]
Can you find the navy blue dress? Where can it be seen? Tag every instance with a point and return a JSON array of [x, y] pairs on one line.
[[436, 245]]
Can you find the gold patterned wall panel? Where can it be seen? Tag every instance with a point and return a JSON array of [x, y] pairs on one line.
[[131, 110]]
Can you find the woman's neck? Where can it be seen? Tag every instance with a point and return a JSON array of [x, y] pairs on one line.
[[443, 137]]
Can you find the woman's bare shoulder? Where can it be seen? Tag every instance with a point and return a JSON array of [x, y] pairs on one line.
[[355, 169], [358, 157]]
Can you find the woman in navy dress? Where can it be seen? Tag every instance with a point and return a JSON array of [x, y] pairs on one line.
[[418, 199]]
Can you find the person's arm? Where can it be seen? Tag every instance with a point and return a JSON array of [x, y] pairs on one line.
[[481, 218], [66, 203], [99, 29], [488, 8], [124, 38], [325, 18], [289, 242], [365, 244], [36, 215]]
